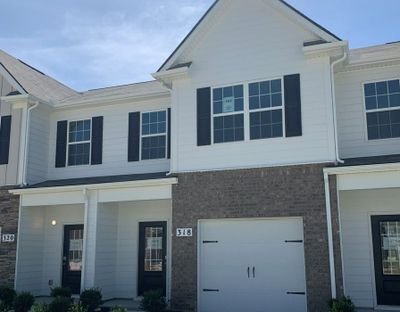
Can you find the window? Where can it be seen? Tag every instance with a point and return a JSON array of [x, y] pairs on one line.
[[266, 109], [79, 142], [154, 135], [382, 104], [228, 115]]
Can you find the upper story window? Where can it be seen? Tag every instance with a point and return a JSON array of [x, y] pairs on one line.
[[154, 135], [382, 104], [266, 109], [79, 140], [228, 114]]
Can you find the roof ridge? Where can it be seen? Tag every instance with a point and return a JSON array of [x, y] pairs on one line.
[[122, 85]]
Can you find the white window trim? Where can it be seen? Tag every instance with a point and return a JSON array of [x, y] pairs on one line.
[[153, 135], [376, 110], [246, 110], [80, 142], [228, 114], [266, 109]]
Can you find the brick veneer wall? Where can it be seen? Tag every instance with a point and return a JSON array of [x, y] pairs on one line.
[[9, 205], [249, 193]]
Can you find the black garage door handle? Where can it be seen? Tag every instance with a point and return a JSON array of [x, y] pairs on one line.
[[210, 290], [295, 293]]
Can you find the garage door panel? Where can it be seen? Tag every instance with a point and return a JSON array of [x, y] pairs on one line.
[[258, 245], [254, 231], [215, 278], [257, 301], [220, 253]]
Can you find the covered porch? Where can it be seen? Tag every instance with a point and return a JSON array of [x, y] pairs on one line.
[[368, 198], [113, 236]]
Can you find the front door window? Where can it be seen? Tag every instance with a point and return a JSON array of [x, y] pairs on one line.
[[154, 249], [72, 257], [386, 243], [152, 256], [390, 242]]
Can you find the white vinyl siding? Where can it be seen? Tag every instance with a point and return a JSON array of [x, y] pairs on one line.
[[115, 141], [9, 172], [351, 113], [356, 209], [232, 51]]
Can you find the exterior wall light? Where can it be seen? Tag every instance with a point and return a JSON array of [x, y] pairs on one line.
[[53, 222]]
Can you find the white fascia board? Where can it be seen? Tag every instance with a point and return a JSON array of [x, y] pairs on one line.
[[362, 169], [101, 186], [166, 77], [359, 65], [22, 100], [110, 100], [331, 49]]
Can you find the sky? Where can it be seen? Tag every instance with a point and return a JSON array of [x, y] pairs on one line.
[[89, 44]]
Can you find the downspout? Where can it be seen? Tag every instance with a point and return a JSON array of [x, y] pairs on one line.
[[26, 142], [86, 202], [330, 235], [326, 180], [333, 91]]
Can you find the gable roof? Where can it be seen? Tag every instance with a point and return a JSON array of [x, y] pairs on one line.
[[31, 81], [133, 90], [309, 23]]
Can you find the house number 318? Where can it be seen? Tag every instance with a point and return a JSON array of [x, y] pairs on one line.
[[184, 232]]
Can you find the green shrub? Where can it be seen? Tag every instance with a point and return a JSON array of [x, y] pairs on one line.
[[61, 292], [91, 299], [40, 307], [342, 305], [3, 307], [153, 301], [60, 304], [7, 296], [23, 302], [77, 307], [119, 309]]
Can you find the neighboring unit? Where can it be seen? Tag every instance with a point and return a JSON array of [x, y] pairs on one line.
[[259, 171]]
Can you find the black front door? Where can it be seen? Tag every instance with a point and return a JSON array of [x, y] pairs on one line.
[[386, 241], [72, 257], [152, 256]]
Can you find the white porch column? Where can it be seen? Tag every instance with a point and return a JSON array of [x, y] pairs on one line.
[[89, 245]]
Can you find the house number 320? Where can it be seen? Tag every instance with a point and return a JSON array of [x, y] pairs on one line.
[[184, 232]]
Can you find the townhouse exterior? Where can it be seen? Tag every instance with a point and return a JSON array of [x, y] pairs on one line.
[[259, 171]]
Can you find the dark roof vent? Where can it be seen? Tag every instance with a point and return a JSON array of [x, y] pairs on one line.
[[314, 42], [16, 92], [188, 64], [393, 42]]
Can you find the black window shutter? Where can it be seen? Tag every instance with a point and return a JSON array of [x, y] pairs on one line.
[[61, 144], [5, 131], [134, 136], [203, 116], [169, 134], [97, 140], [293, 105]]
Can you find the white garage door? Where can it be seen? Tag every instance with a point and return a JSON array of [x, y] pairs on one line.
[[252, 266]]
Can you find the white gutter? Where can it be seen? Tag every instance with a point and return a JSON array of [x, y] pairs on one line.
[[85, 222], [99, 186], [333, 91], [26, 142], [330, 235]]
